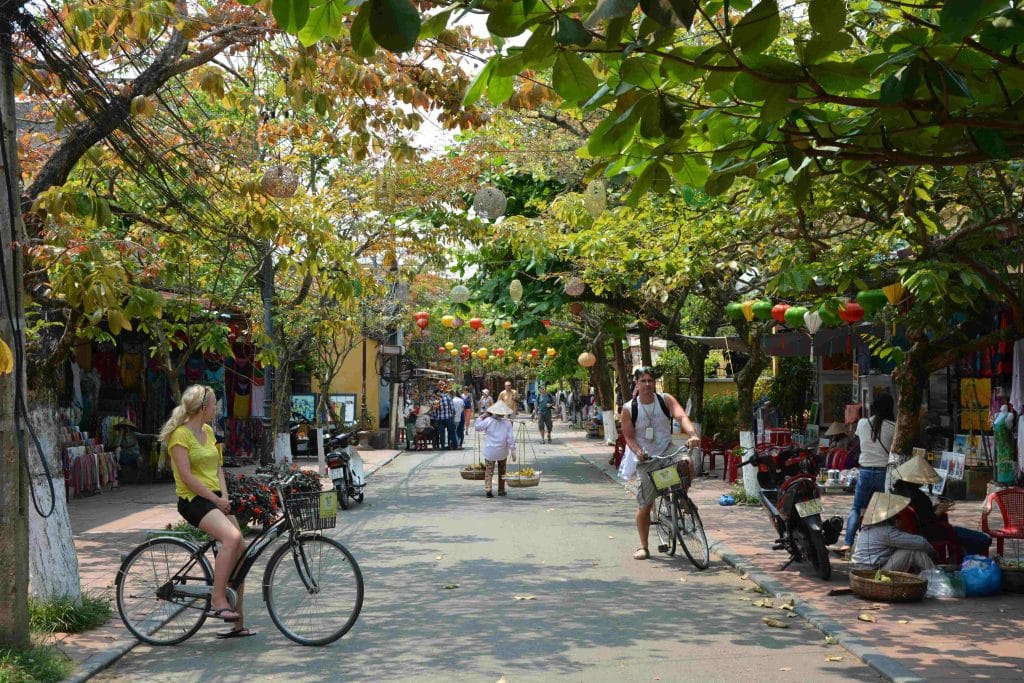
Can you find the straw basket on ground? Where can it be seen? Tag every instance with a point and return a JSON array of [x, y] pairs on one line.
[[889, 586], [521, 481], [473, 472]]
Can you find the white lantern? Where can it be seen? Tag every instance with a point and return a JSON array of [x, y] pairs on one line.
[[595, 198], [574, 286], [460, 294], [280, 181], [812, 319], [515, 290], [490, 203]]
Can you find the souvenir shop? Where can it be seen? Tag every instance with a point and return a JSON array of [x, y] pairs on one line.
[[972, 430], [121, 397]]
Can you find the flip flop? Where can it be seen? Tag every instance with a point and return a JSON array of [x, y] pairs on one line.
[[641, 554], [236, 633], [226, 613]]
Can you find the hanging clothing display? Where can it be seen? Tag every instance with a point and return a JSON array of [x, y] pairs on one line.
[[1017, 383]]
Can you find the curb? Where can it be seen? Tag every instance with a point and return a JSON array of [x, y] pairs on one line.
[[102, 660], [883, 665]]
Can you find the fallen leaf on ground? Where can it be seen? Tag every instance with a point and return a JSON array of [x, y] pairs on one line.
[[790, 615], [682, 579], [788, 604], [439, 557], [867, 617], [501, 680], [449, 586], [774, 623], [903, 621], [611, 537], [526, 597], [785, 668], [744, 576], [745, 598], [830, 640], [766, 602], [834, 658]]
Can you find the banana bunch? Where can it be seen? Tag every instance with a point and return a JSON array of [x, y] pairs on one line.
[[6, 359], [526, 472]]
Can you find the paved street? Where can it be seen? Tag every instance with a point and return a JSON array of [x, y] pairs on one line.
[[593, 612]]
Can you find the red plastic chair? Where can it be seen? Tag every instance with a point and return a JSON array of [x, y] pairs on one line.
[[947, 550], [711, 449], [1011, 506]]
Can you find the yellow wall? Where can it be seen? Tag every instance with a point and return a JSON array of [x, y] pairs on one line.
[[713, 388], [350, 379]]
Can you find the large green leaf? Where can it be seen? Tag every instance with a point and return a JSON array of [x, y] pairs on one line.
[[324, 21], [539, 48], [901, 86], [990, 142], [958, 18], [673, 115], [827, 16], [572, 79], [640, 71], [500, 88], [840, 76], [777, 105], [290, 15], [670, 13], [362, 42], [758, 28], [476, 88], [572, 32], [394, 24], [507, 19], [1004, 31], [435, 23], [821, 46]]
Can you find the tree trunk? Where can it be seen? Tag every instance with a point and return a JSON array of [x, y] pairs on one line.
[[53, 562], [696, 354], [621, 370], [747, 378], [645, 346], [14, 631], [911, 378], [604, 392]]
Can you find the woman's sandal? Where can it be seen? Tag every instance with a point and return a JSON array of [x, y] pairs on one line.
[[642, 554], [236, 633], [226, 613]]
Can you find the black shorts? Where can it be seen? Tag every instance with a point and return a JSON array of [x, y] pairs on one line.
[[194, 510]]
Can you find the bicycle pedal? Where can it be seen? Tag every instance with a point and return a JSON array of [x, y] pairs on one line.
[[663, 548], [778, 545]]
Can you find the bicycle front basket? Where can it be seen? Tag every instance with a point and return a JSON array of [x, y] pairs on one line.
[[313, 511], [672, 477]]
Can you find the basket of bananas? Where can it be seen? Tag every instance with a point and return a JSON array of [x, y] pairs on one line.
[[523, 478], [473, 471]]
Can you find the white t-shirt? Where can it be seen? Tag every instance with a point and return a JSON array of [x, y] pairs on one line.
[[459, 405], [874, 453], [499, 438]]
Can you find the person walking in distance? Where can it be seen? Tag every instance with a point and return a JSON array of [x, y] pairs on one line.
[[545, 405], [647, 429], [510, 397], [199, 482], [459, 406], [486, 400], [499, 443]]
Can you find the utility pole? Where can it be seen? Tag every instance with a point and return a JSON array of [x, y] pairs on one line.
[[14, 630]]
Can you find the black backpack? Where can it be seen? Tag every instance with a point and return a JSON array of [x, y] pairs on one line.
[[634, 408]]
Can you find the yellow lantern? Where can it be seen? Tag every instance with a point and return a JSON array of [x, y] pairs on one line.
[[587, 359], [746, 306], [449, 345], [481, 353], [894, 292], [519, 355], [551, 352], [448, 321], [453, 352], [506, 325]]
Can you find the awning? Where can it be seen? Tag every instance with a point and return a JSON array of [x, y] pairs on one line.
[[724, 343], [827, 342]]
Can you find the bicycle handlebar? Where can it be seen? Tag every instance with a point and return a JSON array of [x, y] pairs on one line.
[[673, 454]]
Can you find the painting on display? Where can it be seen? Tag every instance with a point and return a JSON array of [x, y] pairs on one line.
[[953, 463], [833, 404], [938, 488], [304, 405], [344, 406]]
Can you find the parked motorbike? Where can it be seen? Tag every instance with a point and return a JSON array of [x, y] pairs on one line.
[[345, 468], [790, 496]]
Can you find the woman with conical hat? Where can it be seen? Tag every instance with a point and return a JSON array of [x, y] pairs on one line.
[[499, 442], [908, 479], [880, 545]]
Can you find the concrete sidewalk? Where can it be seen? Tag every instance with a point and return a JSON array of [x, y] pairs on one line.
[[109, 525], [934, 640]]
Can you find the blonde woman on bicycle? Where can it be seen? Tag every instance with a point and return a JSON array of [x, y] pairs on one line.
[[202, 501], [647, 429]]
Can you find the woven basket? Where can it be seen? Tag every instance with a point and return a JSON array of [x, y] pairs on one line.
[[902, 588], [519, 482], [1013, 579], [472, 475]]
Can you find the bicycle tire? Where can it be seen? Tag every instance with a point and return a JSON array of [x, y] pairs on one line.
[[663, 524], [152, 619], [691, 534], [312, 617]]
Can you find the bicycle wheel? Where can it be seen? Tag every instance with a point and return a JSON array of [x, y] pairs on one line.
[[663, 524], [691, 534], [146, 591], [319, 603]]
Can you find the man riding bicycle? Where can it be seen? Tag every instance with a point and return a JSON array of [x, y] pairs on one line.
[[647, 429]]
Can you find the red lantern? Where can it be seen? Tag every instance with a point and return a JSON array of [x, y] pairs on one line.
[[779, 312], [464, 353], [422, 323], [653, 325], [476, 323], [851, 312], [464, 348], [441, 350], [534, 353], [421, 314], [499, 352], [545, 323]]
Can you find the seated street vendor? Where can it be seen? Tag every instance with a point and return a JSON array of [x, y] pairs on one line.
[[931, 522], [880, 545]]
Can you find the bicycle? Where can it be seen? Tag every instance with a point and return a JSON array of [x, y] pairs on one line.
[[312, 585], [675, 514]]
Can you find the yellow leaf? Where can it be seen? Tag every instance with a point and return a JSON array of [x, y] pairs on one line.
[[867, 617]]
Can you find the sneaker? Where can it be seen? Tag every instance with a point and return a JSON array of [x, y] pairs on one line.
[[490, 495]]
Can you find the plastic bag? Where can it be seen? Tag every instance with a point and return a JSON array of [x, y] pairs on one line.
[[627, 468], [943, 585], [982, 576]]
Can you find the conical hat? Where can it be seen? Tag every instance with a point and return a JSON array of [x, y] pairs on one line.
[[836, 429], [499, 408], [917, 471], [884, 506]]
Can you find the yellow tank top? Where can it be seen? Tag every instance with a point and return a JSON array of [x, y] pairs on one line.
[[203, 459]]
